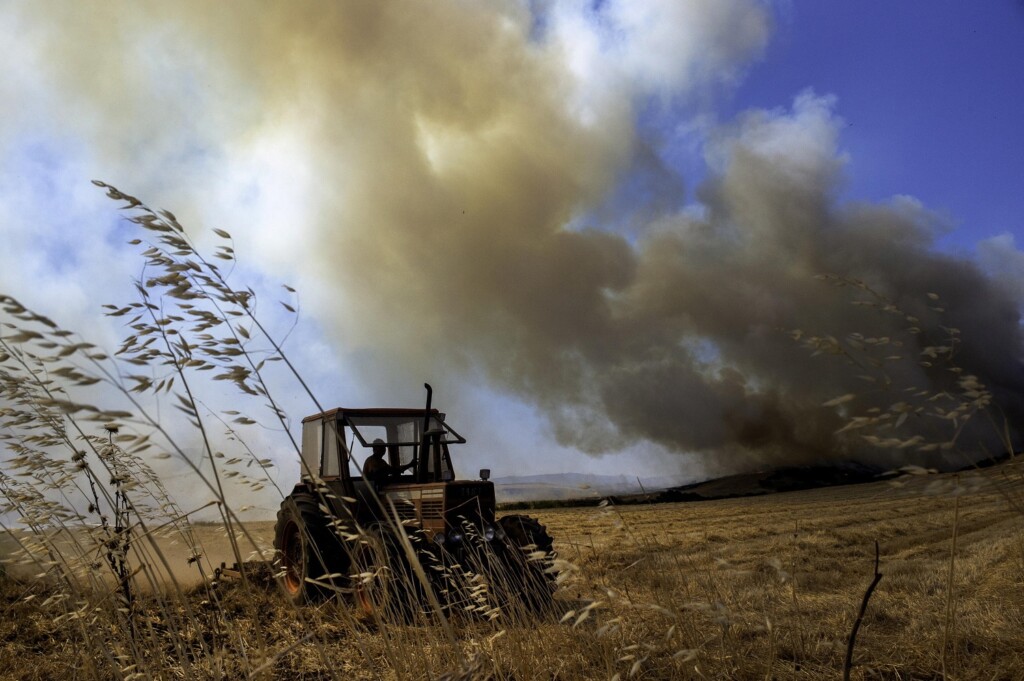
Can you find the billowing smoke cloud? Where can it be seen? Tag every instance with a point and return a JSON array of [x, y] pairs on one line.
[[448, 169]]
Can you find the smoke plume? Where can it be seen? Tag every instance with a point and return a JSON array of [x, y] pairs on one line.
[[451, 168]]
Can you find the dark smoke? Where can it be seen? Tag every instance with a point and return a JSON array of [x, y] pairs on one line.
[[683, 338], [462, 198]]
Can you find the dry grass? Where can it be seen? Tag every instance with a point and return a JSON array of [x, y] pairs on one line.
[[784, 576], [754, 588]]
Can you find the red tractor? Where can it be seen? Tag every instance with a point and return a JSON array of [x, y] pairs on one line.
[[401, 533]]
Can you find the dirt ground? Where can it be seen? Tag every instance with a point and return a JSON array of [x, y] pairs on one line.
[[172, 558]]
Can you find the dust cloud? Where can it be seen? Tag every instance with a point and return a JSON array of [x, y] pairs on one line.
[[458, 161]]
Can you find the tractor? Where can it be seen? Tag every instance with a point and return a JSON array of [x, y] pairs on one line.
[[408, 536]]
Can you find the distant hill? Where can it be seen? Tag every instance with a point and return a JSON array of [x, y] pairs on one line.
[[562, 486], [786, 479], [623, 489]]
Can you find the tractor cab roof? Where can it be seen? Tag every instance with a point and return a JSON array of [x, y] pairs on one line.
[[342, 412], [395, 427]]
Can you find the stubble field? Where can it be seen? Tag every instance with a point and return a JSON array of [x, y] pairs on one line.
[[754, 588], [769, 587]]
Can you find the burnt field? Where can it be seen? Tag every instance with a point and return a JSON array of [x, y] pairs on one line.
[[759, 587]]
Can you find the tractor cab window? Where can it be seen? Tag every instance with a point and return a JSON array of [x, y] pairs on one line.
[[333, 450], [323, 449], [312, 443], [403, 437], [438, 463]]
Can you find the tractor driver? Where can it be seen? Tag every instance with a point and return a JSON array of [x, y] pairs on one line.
[[377, 470]]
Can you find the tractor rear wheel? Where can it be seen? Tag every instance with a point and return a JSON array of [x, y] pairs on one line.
[[527, 576], [313, 558]]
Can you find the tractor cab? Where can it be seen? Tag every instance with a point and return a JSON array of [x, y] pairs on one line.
[[419, 484], [337, 443]]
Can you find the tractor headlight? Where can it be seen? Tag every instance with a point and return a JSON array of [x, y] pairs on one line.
[[489, 532], [439, 538], [455, 536], [499, 533]]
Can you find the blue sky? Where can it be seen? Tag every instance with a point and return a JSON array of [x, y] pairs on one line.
[[329, 140], [932, 94]]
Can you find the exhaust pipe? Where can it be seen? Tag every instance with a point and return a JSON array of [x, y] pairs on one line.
[[423, 436]]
